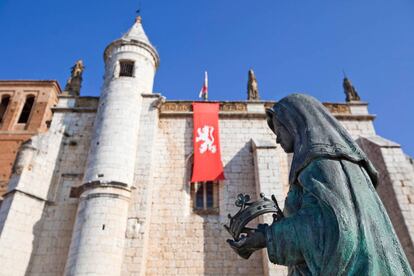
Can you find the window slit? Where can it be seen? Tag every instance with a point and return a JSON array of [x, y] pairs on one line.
[[27, 109], [3, 106]]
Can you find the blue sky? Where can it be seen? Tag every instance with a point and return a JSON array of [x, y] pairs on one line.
[[293, 46]]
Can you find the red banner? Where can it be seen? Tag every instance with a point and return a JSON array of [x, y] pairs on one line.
[[207, 158]]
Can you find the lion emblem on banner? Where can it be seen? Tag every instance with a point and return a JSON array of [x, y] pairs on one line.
[[205, 134]]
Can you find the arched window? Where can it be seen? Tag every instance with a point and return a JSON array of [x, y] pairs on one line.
[[27, 109], [4, 103]]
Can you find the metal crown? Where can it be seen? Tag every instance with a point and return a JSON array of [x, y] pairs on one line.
[[249, 211]]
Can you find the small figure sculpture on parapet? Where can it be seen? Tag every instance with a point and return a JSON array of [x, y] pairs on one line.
[[74, 82], [252, 88], [350, 91]]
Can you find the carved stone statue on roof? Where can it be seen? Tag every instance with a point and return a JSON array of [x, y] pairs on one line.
[[252, 88], [74, 82], [350, 91]]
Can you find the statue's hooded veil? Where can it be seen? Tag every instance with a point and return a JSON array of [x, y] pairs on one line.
[[316, 134]]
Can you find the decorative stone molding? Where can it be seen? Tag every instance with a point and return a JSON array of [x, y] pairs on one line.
[[337, 108], [180, 108], [176, 107], [354, 117], [233, 107], [186, 106]]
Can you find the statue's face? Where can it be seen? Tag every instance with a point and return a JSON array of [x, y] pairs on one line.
[[283, 137]]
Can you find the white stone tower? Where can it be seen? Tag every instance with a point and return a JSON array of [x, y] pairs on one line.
[[99, 232]]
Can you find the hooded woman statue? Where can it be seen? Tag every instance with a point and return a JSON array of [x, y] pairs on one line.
[[335, 223]]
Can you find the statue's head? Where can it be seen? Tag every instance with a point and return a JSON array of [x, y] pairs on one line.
[[298, 120], [283, 136], [306, 128], [251, 74]]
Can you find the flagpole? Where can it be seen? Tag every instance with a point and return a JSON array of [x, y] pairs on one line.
[[206, 84], [204, 90]]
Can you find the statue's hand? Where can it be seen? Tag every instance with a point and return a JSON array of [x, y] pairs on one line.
[[246, 245]]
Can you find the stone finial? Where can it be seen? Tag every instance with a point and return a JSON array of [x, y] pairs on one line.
[[74, 82], [350, 91], [138, 19], [252, 88]]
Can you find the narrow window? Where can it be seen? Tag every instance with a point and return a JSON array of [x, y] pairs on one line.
[[205, 197], [127, 68], [3, 106], [27, 108]]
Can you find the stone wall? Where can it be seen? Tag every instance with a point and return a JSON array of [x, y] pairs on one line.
[[358, 127], [395, 187], [181, 241], [23, 210], [270, 179], [139, 214], [12, 133], [59, 215], [164, 236]]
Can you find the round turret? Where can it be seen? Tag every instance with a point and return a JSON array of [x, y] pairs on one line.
[[134, 37], [130, 65]]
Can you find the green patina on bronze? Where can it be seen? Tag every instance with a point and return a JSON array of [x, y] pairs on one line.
[[335, 223]]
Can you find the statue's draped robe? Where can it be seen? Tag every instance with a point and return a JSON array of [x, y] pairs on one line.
[[335, 223]]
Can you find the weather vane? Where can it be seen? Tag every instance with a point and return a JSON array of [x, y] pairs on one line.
[[138, 11]]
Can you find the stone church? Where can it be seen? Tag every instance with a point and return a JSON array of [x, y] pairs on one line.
[[101, 185]]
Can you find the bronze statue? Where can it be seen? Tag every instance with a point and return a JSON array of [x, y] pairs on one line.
[[350, 91], [74, 83], [333, 222], [252, 88]]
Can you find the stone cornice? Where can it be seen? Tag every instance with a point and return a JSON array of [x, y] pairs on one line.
[[5, 133], [228, 109], [121, 42], [151, 95], [31, 83], [240, 109], [77, 191], [74, 109], [186, 106], [355, 117]]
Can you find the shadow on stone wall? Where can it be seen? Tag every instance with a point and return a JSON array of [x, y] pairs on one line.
[[36, 232], [219, 258], [45, 240]]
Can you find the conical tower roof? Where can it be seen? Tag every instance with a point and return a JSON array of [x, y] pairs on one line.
[[137, 33], [135, 36]]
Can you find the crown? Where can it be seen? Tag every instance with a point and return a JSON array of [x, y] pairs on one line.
[[249, 211]]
